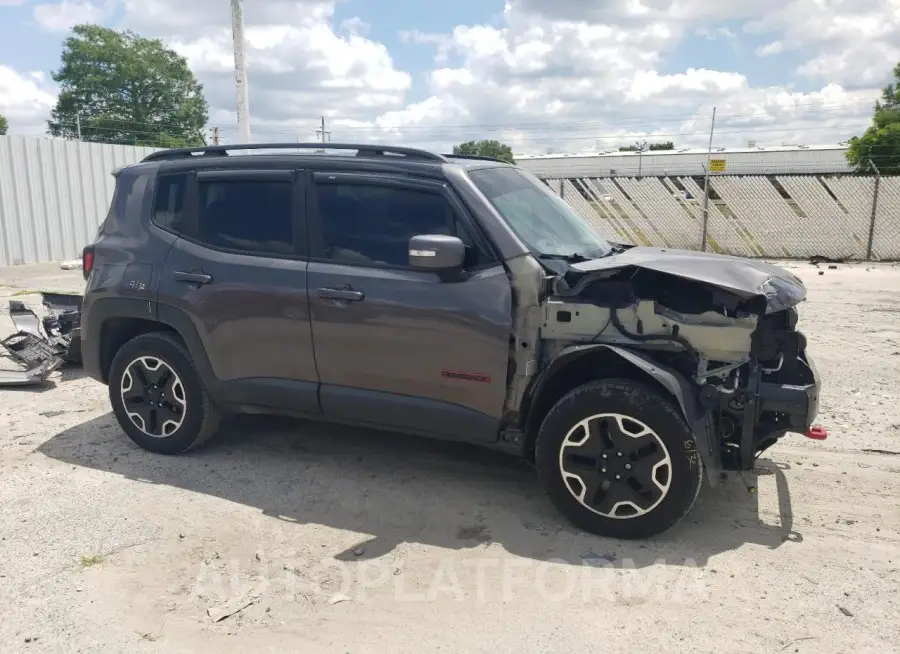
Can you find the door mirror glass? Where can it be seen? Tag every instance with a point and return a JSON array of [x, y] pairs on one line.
[[437, 253]]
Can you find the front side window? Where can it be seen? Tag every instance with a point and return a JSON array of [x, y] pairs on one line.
[[248, 216], [369, 224], [543, 220]]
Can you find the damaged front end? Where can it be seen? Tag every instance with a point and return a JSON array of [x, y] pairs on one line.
[[724, 327], [41, 345]]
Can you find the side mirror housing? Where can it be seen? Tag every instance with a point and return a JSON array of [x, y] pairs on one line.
[[437, 253]]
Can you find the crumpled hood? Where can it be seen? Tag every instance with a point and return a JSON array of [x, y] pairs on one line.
[[746, 277]]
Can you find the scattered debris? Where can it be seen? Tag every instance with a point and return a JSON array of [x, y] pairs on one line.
[[337, 598], [821, 272], [74, 264], [877, 451], [232, 606], [832, 267], [845, 611], [818, 258], [42, 346], [359, 551], [598, 560]]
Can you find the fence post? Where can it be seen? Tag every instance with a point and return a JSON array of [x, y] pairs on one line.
[[562, 188], [874, 213]]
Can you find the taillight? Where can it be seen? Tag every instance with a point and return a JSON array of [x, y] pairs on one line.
[[87, 261]]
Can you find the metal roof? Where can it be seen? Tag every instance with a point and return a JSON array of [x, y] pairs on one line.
[[678, 151]]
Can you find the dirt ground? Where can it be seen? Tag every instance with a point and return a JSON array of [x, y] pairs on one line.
[[319, 539]]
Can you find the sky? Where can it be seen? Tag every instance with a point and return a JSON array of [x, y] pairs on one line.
[[540, 75]]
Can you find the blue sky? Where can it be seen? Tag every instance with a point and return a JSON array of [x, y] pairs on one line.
[[25, 46], [523, 65]]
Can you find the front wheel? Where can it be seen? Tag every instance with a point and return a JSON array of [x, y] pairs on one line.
[[618, 460]]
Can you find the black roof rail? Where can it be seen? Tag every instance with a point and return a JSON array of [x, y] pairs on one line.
[[475, 156], [363, 150]]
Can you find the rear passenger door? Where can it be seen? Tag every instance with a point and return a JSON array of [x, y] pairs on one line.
[[238, 271], [398, 347]]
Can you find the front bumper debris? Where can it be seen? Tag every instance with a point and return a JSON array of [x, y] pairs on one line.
[[797, 406], [41, 346]]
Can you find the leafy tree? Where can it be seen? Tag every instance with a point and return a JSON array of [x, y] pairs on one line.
[[880, 143], [118, 87], [4, 125], [661, 145], [485, 148]]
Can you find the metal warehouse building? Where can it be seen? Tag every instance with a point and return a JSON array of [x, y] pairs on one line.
[[781, 160]]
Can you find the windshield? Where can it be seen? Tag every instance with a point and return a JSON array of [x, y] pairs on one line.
[[544, 221]]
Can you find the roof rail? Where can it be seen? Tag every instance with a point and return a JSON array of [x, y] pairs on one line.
[[363, 150], [474, 156]]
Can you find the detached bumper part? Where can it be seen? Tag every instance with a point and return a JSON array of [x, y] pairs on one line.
[[42, 353]]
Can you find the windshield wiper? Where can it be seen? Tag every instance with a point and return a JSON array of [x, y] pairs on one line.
[[569, 258]]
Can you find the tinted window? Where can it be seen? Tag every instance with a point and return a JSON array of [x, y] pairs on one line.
[[168, 210], [373, 224], [251, 216]]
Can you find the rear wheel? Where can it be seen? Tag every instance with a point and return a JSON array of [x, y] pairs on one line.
[[618, 459], [158, 397]]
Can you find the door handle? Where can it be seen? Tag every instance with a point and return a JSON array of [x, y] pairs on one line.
[[341, 294], [191, 278]]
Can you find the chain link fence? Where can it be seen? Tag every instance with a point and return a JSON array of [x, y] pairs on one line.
[[843, 217]]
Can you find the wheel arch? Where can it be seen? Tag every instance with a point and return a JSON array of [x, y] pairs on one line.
[[580, 364], [119, 320]]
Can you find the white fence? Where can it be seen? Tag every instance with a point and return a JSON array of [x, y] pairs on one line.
[[778, 216], [54, 194]]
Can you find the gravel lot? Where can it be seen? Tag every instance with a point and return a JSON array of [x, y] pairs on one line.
[[323, 539]]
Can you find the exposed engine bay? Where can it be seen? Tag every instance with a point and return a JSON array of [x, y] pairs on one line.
[[735, 341]]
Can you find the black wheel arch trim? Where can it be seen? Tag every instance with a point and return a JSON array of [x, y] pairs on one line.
[[671, 381], [104, 309]]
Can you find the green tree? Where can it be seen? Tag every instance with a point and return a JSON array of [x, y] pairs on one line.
[[660, 145], [118, 87], [4, 125], [880, 143], [485, 148]]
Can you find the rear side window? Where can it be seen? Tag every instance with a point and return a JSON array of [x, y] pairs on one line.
[[247, 216], [168, 208]]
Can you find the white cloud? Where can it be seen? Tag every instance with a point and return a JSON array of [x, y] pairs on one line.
[[62, 16], [25, 100], [567, 74]]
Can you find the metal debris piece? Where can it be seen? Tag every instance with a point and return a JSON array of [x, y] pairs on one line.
[[41, 346], [232, 606]]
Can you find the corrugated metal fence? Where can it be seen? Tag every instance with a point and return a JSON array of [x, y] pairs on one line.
[[777, 216], [54, 194]]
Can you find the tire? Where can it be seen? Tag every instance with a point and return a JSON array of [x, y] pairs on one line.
[[578, 467], [183, 418]]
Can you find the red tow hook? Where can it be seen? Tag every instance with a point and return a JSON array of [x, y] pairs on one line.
[[817, 433]]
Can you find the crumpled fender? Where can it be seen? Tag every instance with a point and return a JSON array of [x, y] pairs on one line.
[[675, 384]]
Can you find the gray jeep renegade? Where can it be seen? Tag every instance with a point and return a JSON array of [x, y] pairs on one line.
[[444, 296]]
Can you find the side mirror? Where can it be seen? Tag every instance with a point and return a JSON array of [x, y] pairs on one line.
[[437, 253]]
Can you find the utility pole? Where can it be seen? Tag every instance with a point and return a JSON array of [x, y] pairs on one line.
[[640, 149], [216, 135], [240, 70], [78, 125], [712, 129], [322, 133]]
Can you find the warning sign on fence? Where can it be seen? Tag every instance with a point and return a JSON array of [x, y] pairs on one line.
[[717, 165]]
